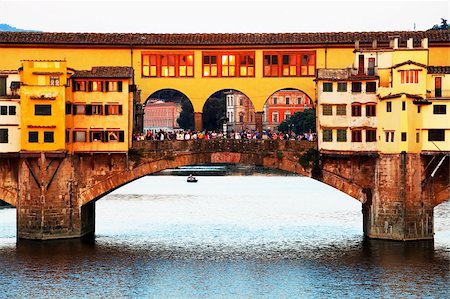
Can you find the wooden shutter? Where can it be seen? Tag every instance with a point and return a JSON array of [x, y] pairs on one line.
[[89, 85], [120, 110], [106, 109], [107, 86], [88, 109], [119, 86], [121, 136]]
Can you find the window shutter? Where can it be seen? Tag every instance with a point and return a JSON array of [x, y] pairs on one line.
[[74, 109], [119, 86], [106, 85], [102, 85], [104, 136], [74, 86], [68, 108], [90, 86], [121, 136], [106, 109], [88, 109], [120, 110]]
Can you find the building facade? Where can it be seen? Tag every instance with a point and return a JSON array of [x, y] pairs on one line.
[[161, 115], [240, 112], [9, 112]]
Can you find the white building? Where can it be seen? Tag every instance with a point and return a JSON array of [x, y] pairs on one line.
[[9, 112]]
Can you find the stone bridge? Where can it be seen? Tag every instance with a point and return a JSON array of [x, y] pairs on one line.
[[55, 193]]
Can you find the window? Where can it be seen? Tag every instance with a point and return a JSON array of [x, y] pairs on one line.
[[48, 137], [371, 86], [241, 117], [94, 109], [341, 109], [12, 110], [68, 108], [439, 109], [299, 100], [327, 135], [112, 85], [371, 110], [403, 136], [356, 136], [33, 137], [341, 135], [403, 105], [167, 65], [436, 135], [3, 110], [96, 136], [54, 81], [42, 109], [356, 109], [287, 115], [275, 117], [210, 66], [289, 66], [356, 86], [308, 64], [409, 77], [115, 136], [79, 136], [288, 99], [79, 86], [270, 65], [342, 86], [371, 135], [389, 136], [113, 109], [95, 86], [149, 65], [275, 100], [247, 65], [388, 106], [417, 137], [3, 135], [327, 87], [327, 110], [186, 65], [79, 109]]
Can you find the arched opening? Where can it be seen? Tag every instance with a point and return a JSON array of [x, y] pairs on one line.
[[228, 110], [168, 110], [289, 110]]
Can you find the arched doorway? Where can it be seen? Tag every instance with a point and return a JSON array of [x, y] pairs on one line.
[[230, 110], [168, 110]]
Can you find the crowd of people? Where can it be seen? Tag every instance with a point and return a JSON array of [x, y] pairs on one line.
[[207, 135]]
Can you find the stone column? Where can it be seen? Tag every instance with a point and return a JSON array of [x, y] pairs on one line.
[[198, 121], [399, 209], [47, 205], [259, 121]]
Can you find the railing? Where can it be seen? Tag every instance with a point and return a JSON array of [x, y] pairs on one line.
[[438, 93], [368, 71]]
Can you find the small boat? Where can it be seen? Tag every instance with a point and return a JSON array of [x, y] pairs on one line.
[[191, 179]]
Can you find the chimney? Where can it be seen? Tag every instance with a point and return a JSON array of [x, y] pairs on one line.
[[374, 44], [410, 43], [356, 44], [425, 43], [395, 45]]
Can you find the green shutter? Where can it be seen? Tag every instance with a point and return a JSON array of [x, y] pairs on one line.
[[119, 86], [88, 109], [121, 136]]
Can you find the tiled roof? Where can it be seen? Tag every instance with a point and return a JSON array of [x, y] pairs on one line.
[[138, 39], [346, 74], [106, 72], [438, 69], [408, 62], [398, 95]]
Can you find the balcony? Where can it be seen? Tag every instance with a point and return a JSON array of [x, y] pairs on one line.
[[438, 93], [367, 71]]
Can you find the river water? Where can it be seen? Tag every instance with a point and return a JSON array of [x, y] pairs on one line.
[[226, 237]]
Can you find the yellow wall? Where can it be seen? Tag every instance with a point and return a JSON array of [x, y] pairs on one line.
[[55, 97]]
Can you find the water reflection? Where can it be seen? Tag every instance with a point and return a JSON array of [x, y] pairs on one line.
[[226, 237]]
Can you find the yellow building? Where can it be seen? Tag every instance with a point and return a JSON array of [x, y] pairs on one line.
[[198, 65], [42, 105], [98, 110]]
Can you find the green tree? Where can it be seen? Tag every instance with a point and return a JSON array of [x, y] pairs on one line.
[[186, 118], [300, 122], [214, 111]]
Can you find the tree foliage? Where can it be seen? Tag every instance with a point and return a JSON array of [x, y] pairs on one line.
[[214, 111], [300, 122], [443, 26], [186, 118]]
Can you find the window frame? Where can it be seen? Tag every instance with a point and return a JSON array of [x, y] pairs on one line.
[[371, 110], [356, 135], [341, 135], [371, 135], [42, 110], [340, 85], [327, 135], [439, 109], [356, 110]]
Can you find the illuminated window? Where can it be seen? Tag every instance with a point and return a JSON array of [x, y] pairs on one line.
[[95, 86], [113, 109], [186, 66], [168, 65], [409, 77], [79, 86], [308, 64], [210, 66], [228, 65], [247, 65], [149, 65], [112, 86], [289, 66]]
